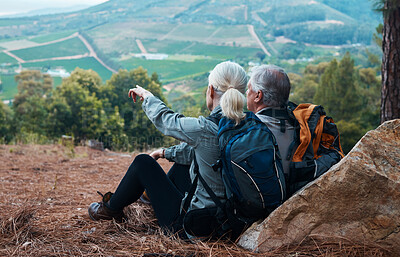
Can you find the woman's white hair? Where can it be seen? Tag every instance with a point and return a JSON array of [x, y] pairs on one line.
[[229, 79]]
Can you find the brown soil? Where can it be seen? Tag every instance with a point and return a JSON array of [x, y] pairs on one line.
[[45, 192]]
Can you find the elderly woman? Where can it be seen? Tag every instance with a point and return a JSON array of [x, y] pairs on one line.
[[200, 149]]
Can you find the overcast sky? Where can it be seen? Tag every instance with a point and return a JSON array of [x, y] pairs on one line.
[[21, 6]]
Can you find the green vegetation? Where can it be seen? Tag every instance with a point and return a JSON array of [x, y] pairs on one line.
[[196, 48], [5, 123], [298, 13], [5, 58], [70, 65], [329, 34], [82, 107], [196, 35], [349, 94], [171, 69], [9, 87], [70, 47], [222, 52], [364, 11], [165, 46], [5, 22], [51, 37]]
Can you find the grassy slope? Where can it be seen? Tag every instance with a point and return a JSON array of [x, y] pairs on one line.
[[73, 46], [5, 58], [9, 87], [172, 69], [51, 37], [70, 65]]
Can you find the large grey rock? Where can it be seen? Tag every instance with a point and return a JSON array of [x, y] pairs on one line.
[[357, 199]]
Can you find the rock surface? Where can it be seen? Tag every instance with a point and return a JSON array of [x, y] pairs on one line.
[[358, 199]]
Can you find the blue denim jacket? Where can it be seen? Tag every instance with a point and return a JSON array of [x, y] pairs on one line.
[[200, 137]]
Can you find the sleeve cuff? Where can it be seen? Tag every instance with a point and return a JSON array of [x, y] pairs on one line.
[[168, 154]]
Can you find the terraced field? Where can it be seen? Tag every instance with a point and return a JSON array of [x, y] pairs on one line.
[[69, 65], [170, 69], [70, 47], [51, 37], [4, 58]]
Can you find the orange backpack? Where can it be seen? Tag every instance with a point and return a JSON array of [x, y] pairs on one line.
[[316, 146]]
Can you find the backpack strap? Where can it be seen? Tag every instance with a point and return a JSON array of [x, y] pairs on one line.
[[281, 114], [206, 186], [194, 186], [215, 118], [303, 112]]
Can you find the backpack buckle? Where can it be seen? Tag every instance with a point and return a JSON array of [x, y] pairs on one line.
[[217, 165]]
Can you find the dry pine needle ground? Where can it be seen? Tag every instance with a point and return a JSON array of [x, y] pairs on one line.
[[45, 192]]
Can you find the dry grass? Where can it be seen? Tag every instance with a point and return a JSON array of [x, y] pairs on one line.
[[45, 193]]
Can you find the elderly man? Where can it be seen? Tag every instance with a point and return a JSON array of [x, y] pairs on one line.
[[267, 97]]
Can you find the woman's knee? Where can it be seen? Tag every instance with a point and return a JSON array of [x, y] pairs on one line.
[[142, 163], [141, 160]]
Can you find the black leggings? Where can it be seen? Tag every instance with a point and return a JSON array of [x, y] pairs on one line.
[[165, 191]]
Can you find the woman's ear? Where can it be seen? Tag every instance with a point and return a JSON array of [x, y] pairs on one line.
[[212, 91]]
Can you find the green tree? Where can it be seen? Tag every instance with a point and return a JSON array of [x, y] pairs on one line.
[[113, 135], [5, 123], [60, 118], [305, 90], [30, 102], [88, 79], [140, 131], [76, 111], [338, 90]]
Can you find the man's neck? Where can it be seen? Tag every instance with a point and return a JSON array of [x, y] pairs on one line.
[[260, 107]]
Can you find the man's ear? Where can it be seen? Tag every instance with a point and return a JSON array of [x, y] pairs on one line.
[[259, 96]]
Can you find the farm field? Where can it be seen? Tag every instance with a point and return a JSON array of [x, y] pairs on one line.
[[9, 87], [172, 69], [17, 43], [197, 48], [13, 22], [70, 65], [70, 47], [5, 58], [182, 34], [51, 37]]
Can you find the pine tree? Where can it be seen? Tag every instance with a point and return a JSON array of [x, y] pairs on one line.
[[390, 97], [338, 90]]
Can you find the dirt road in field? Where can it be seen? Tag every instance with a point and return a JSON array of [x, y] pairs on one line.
[[254, 35]]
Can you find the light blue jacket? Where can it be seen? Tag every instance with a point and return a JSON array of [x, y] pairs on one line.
[[200, 138]]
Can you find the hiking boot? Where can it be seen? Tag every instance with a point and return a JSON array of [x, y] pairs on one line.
[[99, 211]]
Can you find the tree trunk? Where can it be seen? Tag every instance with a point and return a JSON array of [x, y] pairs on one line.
[[390, 97]]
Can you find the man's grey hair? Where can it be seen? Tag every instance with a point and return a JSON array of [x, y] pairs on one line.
[[273, 82]]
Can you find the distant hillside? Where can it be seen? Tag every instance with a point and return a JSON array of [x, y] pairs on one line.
[[281, 17], [182, 39]]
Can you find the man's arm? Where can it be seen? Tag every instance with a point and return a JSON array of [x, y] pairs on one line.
[[181, 154]]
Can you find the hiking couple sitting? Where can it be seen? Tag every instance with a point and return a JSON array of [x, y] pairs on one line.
[[194, 199]]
